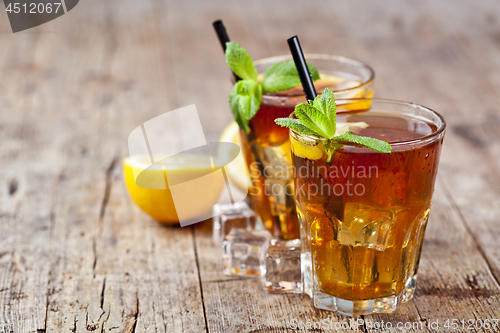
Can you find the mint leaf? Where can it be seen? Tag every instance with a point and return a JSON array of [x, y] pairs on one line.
[[326, 104], [283, 76], [296, 124], [244, 101], [240, 62], [374, 144], [316, 120]]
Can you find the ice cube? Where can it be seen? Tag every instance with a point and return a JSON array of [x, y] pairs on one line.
[[244, 252], [343, 128], [365, 225], [274, 160], [277, 190], [229, 216], [283, 267]]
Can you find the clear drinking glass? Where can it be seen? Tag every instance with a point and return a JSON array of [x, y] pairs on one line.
[[267, 146], [363, 214]]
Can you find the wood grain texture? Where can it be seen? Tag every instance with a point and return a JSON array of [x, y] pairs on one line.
[[76, 255]]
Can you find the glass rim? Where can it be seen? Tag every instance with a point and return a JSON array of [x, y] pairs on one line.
[[337, 58], [432, 135]]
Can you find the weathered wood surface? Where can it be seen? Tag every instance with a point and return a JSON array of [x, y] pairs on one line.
[[76, 255]]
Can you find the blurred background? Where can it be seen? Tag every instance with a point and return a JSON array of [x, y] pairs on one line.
[[144, 58]]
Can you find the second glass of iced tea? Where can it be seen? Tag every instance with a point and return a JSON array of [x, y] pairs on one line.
[[363, 213], [267, 146]]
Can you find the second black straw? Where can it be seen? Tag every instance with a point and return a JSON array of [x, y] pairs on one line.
[[301, 65]]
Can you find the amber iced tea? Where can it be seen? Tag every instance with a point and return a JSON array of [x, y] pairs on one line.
[[364, 213], [267, 153], [267, 146]]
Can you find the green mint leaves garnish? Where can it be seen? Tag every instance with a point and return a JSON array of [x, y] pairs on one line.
[[319, 118], [317, 121], [246, 95], [283, 76]]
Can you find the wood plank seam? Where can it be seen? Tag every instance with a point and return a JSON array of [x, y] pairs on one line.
[[199, 277], [492, 271]]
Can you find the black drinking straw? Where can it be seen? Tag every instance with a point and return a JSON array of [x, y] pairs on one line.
[[220, 30], [300, 63]]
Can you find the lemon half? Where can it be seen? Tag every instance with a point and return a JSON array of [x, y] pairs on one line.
[[153, 195]]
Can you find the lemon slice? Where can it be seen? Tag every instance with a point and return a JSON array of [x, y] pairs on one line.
[[307, 147], [237, 171]]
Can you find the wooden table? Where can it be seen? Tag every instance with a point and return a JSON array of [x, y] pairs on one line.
[[77, 255]]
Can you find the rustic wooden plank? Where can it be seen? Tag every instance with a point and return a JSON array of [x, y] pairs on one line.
[[164, 270], [147, 263], [477, 51], [89, 289], [75, 292], [130, 285], [30, 172]]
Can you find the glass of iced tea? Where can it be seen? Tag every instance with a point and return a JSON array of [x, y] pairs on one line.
[[363, 214], [267, 145]]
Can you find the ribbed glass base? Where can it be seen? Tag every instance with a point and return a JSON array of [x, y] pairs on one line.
[[364, 307]]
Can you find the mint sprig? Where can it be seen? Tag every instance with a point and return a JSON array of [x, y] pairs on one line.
[[319, 118], [246, 95]]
